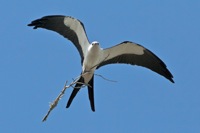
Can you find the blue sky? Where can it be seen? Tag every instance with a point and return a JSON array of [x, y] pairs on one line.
[[36, 63]]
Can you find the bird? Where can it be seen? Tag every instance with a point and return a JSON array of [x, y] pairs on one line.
[[94, 57]]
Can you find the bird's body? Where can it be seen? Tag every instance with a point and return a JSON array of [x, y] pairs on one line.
[[93, 56], [91, 61]]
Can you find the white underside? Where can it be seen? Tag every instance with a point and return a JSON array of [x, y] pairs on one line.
[[91, 60]]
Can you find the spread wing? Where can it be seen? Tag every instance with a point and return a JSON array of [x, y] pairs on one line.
[[135, 54], [69, 27]]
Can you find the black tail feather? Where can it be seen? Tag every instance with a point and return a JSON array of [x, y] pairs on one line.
[[75, 91], [91, 93]]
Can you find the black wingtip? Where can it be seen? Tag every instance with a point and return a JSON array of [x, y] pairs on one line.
[[40, 23], [170, 79], [35, 25], [31, 24], [168, 75]]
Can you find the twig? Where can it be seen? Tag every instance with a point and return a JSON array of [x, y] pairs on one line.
[[55, 102], [105, 78]]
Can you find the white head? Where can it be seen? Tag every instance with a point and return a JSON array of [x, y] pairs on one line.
[[95, 43]]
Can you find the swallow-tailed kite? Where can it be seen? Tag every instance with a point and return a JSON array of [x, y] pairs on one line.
[[94, 57]]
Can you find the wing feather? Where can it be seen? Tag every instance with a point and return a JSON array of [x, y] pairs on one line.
[[135, 54], [69, 27]]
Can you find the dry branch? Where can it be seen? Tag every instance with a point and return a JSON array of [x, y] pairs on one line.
[[55, 102]]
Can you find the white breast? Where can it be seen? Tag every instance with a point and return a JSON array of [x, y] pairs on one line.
[[92, 58]]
